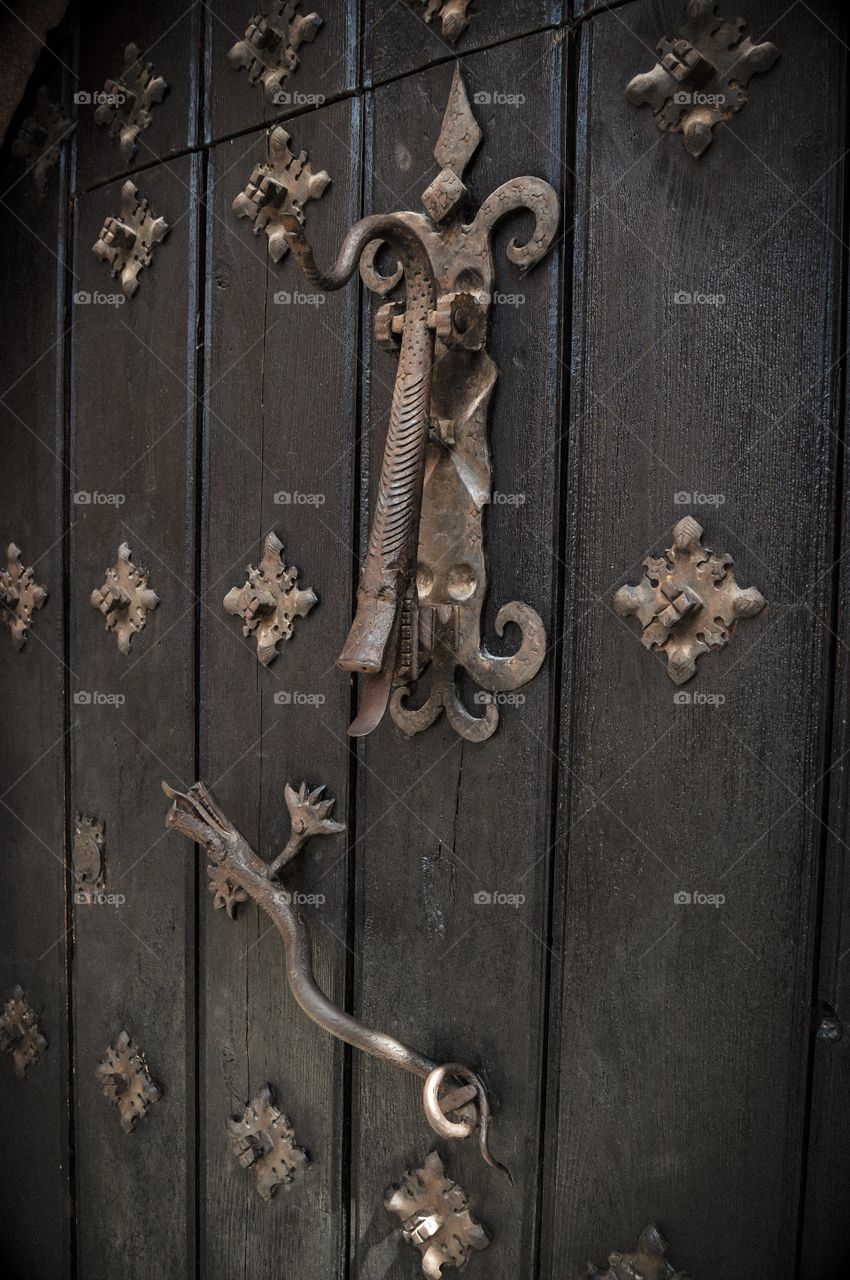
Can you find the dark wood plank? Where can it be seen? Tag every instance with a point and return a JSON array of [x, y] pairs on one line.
[[280, 421], [328, 66], [169, 38], [684, 1031], [133, 429], [397, 40], [440, 819], [34, 1186]]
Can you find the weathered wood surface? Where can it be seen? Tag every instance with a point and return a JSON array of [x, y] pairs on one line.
[[34, 1186], [133, 409], [682, 1033], [279, 455]]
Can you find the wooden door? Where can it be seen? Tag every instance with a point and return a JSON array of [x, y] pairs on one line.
[[626, 909]]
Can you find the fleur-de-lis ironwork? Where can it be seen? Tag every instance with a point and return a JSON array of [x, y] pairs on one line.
[[270, 600], [20, 595], [263, 1139], [435, 1217], [124, 1077], [424, 579], [269, 48], [125, 599]]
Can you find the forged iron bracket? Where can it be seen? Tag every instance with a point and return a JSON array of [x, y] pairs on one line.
[[126, 104], [280, 186], [452, 14], [263, 1139], [454, 1099], [20, 595], [40, 137], [124, 1077], [649, 1262], [270, 600], [269, 48], [127, 242], [435, 1217], [688, 601], [700, 77], [125, 599], [424, 578], [20, 1035]]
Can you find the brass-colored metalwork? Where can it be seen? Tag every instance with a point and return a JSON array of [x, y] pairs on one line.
[[87, 855], [699, 79], [20, 595], [127, 104], [648, 1263], [281, 186], [40, 137], [124, 1077], [127, 242], [454, 1098], [125, 599], [435, 1217], [263, 1139], [270, 600], [688, 602], [20, 1035], [269, 49], [435, 477], [453, 16]]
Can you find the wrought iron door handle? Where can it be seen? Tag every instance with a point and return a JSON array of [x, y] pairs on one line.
[[238, 874]]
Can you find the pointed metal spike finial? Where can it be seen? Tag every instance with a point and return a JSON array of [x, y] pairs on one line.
[[460, 134]]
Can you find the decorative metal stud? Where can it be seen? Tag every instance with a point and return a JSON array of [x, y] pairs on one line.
[[125, 1080], [435, 1217], [648, 1263], [699, 79], [125, 599], [270, 47], [87, 857], [283, 185], [20, 595], [19, 1033], [127, 242], [40, 137], [127, 103], [688, 602], [270, 601], [264, 1139], [452, 14]]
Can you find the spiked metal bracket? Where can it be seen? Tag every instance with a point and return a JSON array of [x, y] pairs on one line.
[[40, 137], [19, 1033], [125, 1080], [424, 578], [269, 49], [452, 14], [125, 599], [126, 104], [263, 1139], [435, 1217], [127, 242], [701, 75], [453, 1097], [281, 186], [20, 595], [87, 856], [648, 1263], [270, 600], [688, 602]]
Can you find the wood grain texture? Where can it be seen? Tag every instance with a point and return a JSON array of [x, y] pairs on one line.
[[279, 454], [328, 66], [440, 820], [397, 40], [133, 429], [169, 39], [34, 1202], [681, 1058]]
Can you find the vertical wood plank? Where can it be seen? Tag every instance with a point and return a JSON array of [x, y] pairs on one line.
[[133, 429], [684, 1037], [441, 821], [34, 1181], [280, 422]]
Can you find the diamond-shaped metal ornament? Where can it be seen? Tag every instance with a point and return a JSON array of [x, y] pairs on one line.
[[285, 183], [125, 1080], [649, 1262], [125, 599], [127, 242], [40, 137], [269, 49], [263, 1139], [19, 1033], [20, 595], [270, 600], [435, 1217], [126, 104], [453, 15]]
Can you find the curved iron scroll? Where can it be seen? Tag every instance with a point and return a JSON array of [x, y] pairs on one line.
[[238, 874], [424, 578]]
